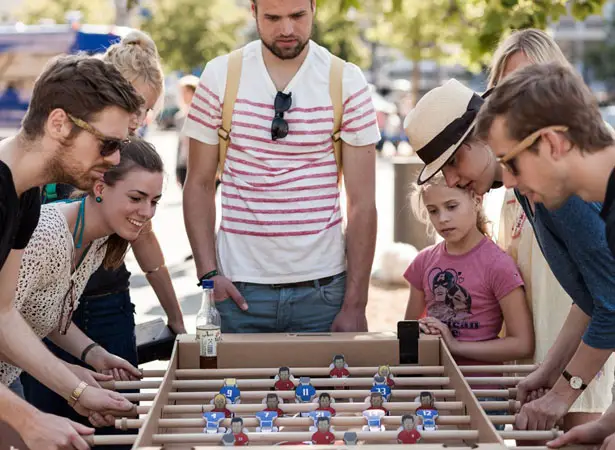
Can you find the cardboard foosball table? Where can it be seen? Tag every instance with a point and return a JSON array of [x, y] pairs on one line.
[[182, 416]]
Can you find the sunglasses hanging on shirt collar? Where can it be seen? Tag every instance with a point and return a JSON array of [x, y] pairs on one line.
[[279, 126]]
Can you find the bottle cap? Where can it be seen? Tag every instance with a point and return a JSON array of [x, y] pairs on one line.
[[207, 284]]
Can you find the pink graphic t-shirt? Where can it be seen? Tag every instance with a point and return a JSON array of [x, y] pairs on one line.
[[464, 291]]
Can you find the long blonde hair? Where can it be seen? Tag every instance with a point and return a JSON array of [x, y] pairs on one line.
[[420, 211], [537, 46], [137, 59]]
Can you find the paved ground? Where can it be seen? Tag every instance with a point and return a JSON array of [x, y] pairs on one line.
[[386, 303]]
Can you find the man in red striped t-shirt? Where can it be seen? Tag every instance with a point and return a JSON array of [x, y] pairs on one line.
[[281, 247]]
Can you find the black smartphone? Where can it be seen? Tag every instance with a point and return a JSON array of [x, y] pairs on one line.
[[408, 336]]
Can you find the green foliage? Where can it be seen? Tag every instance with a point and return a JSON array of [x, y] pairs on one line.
[[33, 11], [340, 35], [191, 32]]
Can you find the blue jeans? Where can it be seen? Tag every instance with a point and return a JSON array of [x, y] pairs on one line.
[[109, 321], [274, 310]]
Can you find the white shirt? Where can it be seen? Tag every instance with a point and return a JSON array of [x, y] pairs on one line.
[[281, 220]]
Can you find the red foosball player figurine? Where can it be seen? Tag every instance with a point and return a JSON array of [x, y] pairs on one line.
[[284, 383], [376, 401], [408, 433], [385, 371], [237, 429], [273, 403], [323, 436], [339, 368], [220, 405], [324, 403]]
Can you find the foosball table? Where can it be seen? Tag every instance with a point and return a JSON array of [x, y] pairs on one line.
[[330, 390]]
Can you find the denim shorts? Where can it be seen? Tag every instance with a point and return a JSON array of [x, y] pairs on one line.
[[281, 310], [504, 412]]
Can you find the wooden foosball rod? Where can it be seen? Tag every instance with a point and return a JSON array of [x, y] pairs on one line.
[[424, 382], [336, 394], [293, 408], [128, 424], [366, 436], [266, 383], [324, 371]]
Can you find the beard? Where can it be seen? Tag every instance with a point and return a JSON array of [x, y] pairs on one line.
[[64, 168], [284, 53]]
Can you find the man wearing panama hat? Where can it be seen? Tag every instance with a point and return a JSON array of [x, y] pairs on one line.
[[572, 239]]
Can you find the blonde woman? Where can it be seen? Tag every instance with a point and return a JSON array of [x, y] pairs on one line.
[[548, 301], [105, 312]]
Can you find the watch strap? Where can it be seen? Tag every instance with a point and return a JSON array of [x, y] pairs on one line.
[[567, 376]]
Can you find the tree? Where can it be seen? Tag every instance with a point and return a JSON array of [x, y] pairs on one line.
[[339, 33], [33, 11], [464, 31], [191, 32]]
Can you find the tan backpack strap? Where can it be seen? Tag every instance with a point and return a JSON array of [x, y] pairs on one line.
[[335, 92], [233, 74]]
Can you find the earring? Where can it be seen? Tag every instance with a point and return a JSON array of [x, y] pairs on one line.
[[98, 199]]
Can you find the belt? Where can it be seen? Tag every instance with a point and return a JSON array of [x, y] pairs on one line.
[[311, 283]]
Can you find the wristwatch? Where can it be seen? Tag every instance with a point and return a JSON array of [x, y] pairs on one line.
[[575, 382]]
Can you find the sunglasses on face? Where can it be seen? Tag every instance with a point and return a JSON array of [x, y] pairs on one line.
[[508, 161], [109, 145], [279, 126]]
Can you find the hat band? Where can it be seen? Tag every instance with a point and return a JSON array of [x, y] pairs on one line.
[[453, 132]]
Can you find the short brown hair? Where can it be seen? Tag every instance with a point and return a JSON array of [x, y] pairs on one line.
[[542, 95], [82, 86]]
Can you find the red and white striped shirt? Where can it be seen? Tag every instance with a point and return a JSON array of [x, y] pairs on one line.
[[281, 220]]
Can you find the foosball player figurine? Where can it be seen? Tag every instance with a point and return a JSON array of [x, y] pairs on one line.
[[324, 403], [339, 368], [304, 392], [376, 401], [380, 385], [408, 433], [237, 430], [283, 381], [273, 403], [212, 422], [427, 411], [323, 436], [385, 371], [220, 405], [350, 438], [230, 390]]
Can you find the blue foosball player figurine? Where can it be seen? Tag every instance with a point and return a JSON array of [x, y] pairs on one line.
[[305, 392], [266, 418], [427, 412], [380, 385], [212, 422], [374, 419], [231, 391], [316, 415]]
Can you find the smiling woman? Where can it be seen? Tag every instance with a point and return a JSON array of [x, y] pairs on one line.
[[71, 241]]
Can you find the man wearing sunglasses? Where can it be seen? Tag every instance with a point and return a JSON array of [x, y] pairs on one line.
[[545, 129], [73, 131], [281, 248]]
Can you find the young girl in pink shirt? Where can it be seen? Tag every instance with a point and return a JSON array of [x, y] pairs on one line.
[[468, 286]]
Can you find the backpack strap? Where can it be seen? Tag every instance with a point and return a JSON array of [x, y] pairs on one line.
[[335, 92], [233, 74]]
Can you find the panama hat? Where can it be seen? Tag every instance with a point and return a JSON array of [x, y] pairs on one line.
[[439, 123]]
